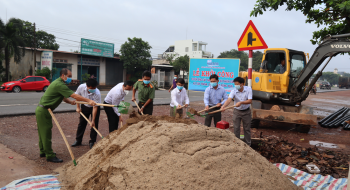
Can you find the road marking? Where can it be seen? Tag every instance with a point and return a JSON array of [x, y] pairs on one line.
[[15, 105]]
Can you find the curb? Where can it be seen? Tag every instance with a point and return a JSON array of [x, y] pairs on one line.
[[60, 111]]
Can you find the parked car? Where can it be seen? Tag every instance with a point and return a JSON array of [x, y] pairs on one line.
[[29, 83], [325, 85]]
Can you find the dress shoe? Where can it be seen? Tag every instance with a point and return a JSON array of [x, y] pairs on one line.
[[76, 144], [44, 155], [55, 160], [91, 145]]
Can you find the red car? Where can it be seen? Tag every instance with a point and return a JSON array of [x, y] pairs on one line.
[[30, 83]]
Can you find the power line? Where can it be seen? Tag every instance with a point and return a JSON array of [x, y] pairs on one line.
[[78, 34]]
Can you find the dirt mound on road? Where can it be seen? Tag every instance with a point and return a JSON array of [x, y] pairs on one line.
[[166, 153]]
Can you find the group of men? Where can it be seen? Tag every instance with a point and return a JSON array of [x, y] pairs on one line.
[[58, 91]]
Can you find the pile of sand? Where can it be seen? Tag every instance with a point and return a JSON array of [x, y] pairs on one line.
[[168, 153], [276, 108]]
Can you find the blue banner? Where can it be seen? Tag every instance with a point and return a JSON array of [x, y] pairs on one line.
[[202, 69]]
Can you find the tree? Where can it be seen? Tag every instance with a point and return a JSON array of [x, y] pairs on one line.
[[181, 63], [44, 40], [257, 59], [330, 77], [135, 53], [233, 53], [334, 14], [11, 42]]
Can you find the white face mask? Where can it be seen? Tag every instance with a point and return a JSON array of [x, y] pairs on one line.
[[126, 92]]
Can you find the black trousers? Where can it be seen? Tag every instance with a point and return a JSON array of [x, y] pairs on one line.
[[148, 109], [216, 116], [82, 124], [113, 118]]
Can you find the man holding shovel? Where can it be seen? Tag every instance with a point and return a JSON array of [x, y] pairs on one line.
[[114, 97], [214, 95], [178, 97], [243, 98], [88, 90], [52, 98], [146, 93]]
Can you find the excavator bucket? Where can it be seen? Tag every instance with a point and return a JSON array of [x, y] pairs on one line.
[[287, 114]]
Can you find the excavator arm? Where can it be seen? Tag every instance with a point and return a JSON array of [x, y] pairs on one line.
[[330, 47]]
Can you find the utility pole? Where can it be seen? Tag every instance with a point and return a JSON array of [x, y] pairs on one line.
[[34, 50]]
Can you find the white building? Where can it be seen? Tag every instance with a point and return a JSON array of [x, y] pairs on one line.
[[193, 49], [335, 71]]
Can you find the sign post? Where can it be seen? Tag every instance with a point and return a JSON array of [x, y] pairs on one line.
[[251, 40]]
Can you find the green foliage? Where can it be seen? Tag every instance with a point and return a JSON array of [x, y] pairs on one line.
[[135, 53], [330, 77], [44, 40], [170, 58], [136, 75], [11, 42], [243, 56], [86, 77], [181, 63], [45, 72], [334, 14]]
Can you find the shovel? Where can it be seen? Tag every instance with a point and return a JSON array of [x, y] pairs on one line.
[[221, 110], [90, 124], [63, 136], [138, 107], [198, 113], [123, 107]]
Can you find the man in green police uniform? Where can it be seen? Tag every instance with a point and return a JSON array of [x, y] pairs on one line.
[[146, 93], [52, 98]]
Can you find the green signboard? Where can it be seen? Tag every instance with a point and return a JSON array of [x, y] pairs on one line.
[[97, 48]]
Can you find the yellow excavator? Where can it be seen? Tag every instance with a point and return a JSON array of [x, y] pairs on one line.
[[282, 81]]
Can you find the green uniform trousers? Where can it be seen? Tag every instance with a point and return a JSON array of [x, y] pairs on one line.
[[44, 122]]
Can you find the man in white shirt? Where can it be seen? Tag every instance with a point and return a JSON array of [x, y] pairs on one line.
[[88, 90], [114, 97], [178, 98], [243, 98]]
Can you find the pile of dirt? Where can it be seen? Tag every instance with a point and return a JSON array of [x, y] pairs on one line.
[[276, 108], [167, 153], [277, 150], [193, 111]]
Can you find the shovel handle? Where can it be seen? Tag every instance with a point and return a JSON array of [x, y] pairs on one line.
[[208, 109], [63, 136], [107, 105], [221, 110], [90, 124], [138, 107]]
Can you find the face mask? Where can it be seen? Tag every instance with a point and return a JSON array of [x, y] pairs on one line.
[[180, 87], [92, 90], [126, 92], [213, 84], [175, 77], [146, 81], [238, 87], [68, 80]]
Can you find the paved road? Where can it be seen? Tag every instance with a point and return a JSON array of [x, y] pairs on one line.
[[26, 102]]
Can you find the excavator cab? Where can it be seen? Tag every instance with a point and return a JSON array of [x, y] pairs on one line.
[[279, 70]]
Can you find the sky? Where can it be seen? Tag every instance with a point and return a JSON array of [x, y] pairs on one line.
[[220, 23]]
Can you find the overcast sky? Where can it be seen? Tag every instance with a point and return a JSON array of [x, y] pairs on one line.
[[162, 22]]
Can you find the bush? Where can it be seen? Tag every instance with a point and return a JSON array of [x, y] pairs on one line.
[[45, 72], [86, 77]]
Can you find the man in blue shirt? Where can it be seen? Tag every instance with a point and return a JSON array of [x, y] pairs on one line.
[[214, 95], [243, 98]]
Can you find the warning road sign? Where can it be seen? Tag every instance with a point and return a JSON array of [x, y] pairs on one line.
[[251, 39]]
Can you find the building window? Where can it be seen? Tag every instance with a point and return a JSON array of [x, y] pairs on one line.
[[186, 49]]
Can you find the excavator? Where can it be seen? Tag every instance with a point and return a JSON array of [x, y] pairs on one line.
[[282, 81]]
